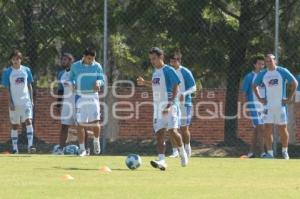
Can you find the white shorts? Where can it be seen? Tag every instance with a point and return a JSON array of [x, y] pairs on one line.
[[275, 116], [87, 108], [68, 111], [297, 98], [20, 114], [169, 121], [186, 115]]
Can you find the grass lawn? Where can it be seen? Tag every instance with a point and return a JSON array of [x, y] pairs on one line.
[[40, 176]]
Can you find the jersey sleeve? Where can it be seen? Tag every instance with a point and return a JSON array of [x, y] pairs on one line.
[[73, 74], [259, 78], [174, 79], [288, 75], [247, 83], [5, 78], [190, 81], [29, 76]]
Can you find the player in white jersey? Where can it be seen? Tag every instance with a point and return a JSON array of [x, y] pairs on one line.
[[186, 88], [87, 77], [18, 79], [66, 100], [255, 108], [165, 85], [275, 79]]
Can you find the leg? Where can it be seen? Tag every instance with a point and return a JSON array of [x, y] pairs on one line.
[[284, 137], [63, 135], [14, 137], [161, 146], [96, 130], [174, 148], [260, 139], [29, 130], [178, 140], [186, 138], [81, 139], [269, 138]]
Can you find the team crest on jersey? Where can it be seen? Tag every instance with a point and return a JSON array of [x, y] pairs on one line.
[[273, 82], [156, 81], [20, 80]]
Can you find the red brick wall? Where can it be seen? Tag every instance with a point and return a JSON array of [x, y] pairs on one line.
[[206, 131]]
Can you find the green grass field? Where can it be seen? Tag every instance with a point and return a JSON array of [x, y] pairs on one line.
[[40, 176]]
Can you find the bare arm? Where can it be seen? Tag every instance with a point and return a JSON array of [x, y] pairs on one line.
[[294, 85], [256, 92], [142, 82], [11, 102]]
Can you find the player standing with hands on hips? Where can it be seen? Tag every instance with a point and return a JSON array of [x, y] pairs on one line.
[[165, 87]]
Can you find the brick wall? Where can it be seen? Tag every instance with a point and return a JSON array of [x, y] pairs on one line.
[[206, 131]]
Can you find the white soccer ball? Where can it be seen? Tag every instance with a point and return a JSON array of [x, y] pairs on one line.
[[133, 161]]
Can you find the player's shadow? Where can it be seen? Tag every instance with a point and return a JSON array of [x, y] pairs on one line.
[[74, 169]]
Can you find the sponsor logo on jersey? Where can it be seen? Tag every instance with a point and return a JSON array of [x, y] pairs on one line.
[[273, 82], [156, 81], [20, 80]]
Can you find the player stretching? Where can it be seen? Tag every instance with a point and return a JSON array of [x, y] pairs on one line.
[[186, 88], [255, 108], [87, 76], [165, 84], [18, 79], [275, 78]]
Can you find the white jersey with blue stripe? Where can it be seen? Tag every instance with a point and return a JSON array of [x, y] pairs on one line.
[[250, 95], [85, 76], [275, 84], [17, 80], [187, 82], [66, 84], [163, 81]]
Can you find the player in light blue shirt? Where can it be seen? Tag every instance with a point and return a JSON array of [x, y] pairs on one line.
[[165, 85], [255, 108], [18, 79], [275, 79], [87, 77], [186, 88]]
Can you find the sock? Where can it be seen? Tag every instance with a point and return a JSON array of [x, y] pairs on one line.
[[29, 130], [187, 146], [270, 152], [81, 146], [181, 150], [14, 139], [284, 149], [161, 156], [96, 139], [175, 150]]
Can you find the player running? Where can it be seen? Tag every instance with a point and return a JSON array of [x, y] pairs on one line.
[[255, 108], [87, 77], [186, 88], [275, 79], [18, 79], [165, 85]]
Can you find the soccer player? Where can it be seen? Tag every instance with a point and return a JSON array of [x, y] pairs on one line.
[[255, 108], [165, 85], [87, 77], [18, 79], [186, 88], [275, 79], [66, 100]]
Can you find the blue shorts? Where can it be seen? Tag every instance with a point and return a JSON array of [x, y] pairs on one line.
[[186, 115]]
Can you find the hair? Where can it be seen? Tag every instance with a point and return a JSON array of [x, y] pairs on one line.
[[256, 58], [157, 51], [89, 51], [176, 53], [69, 56], [16, 53], [271, 56]]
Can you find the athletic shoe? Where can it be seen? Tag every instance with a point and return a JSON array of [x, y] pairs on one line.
[[59, 151], [159, 164], [184, 159], [88, 151], [285, 155], [250, 155], [15, 151], [31, 150], [188, 150], [174, 155], [267, 156], [97, 149], [82, 153]]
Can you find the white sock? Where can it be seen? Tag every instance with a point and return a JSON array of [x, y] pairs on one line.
[[161, 156], [284, 149], [181, 150], [14, 139], [271, 152], [175, 150], [96, 139], [187, 146], [82, 147], [29, 130]]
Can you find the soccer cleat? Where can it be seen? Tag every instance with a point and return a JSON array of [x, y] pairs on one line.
[[174, 155], [31, 150], [82, 153], [159, 164], [188, 150], [97, 149], [184, 159], [15, 151], [267, 156], [285, 155]]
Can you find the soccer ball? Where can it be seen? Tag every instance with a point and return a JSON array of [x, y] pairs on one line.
[[133, 161]]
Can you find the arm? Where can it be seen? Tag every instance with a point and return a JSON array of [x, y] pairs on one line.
[[142, 82], [294, 85], [30, 93], [256, 92], [189, 91]]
